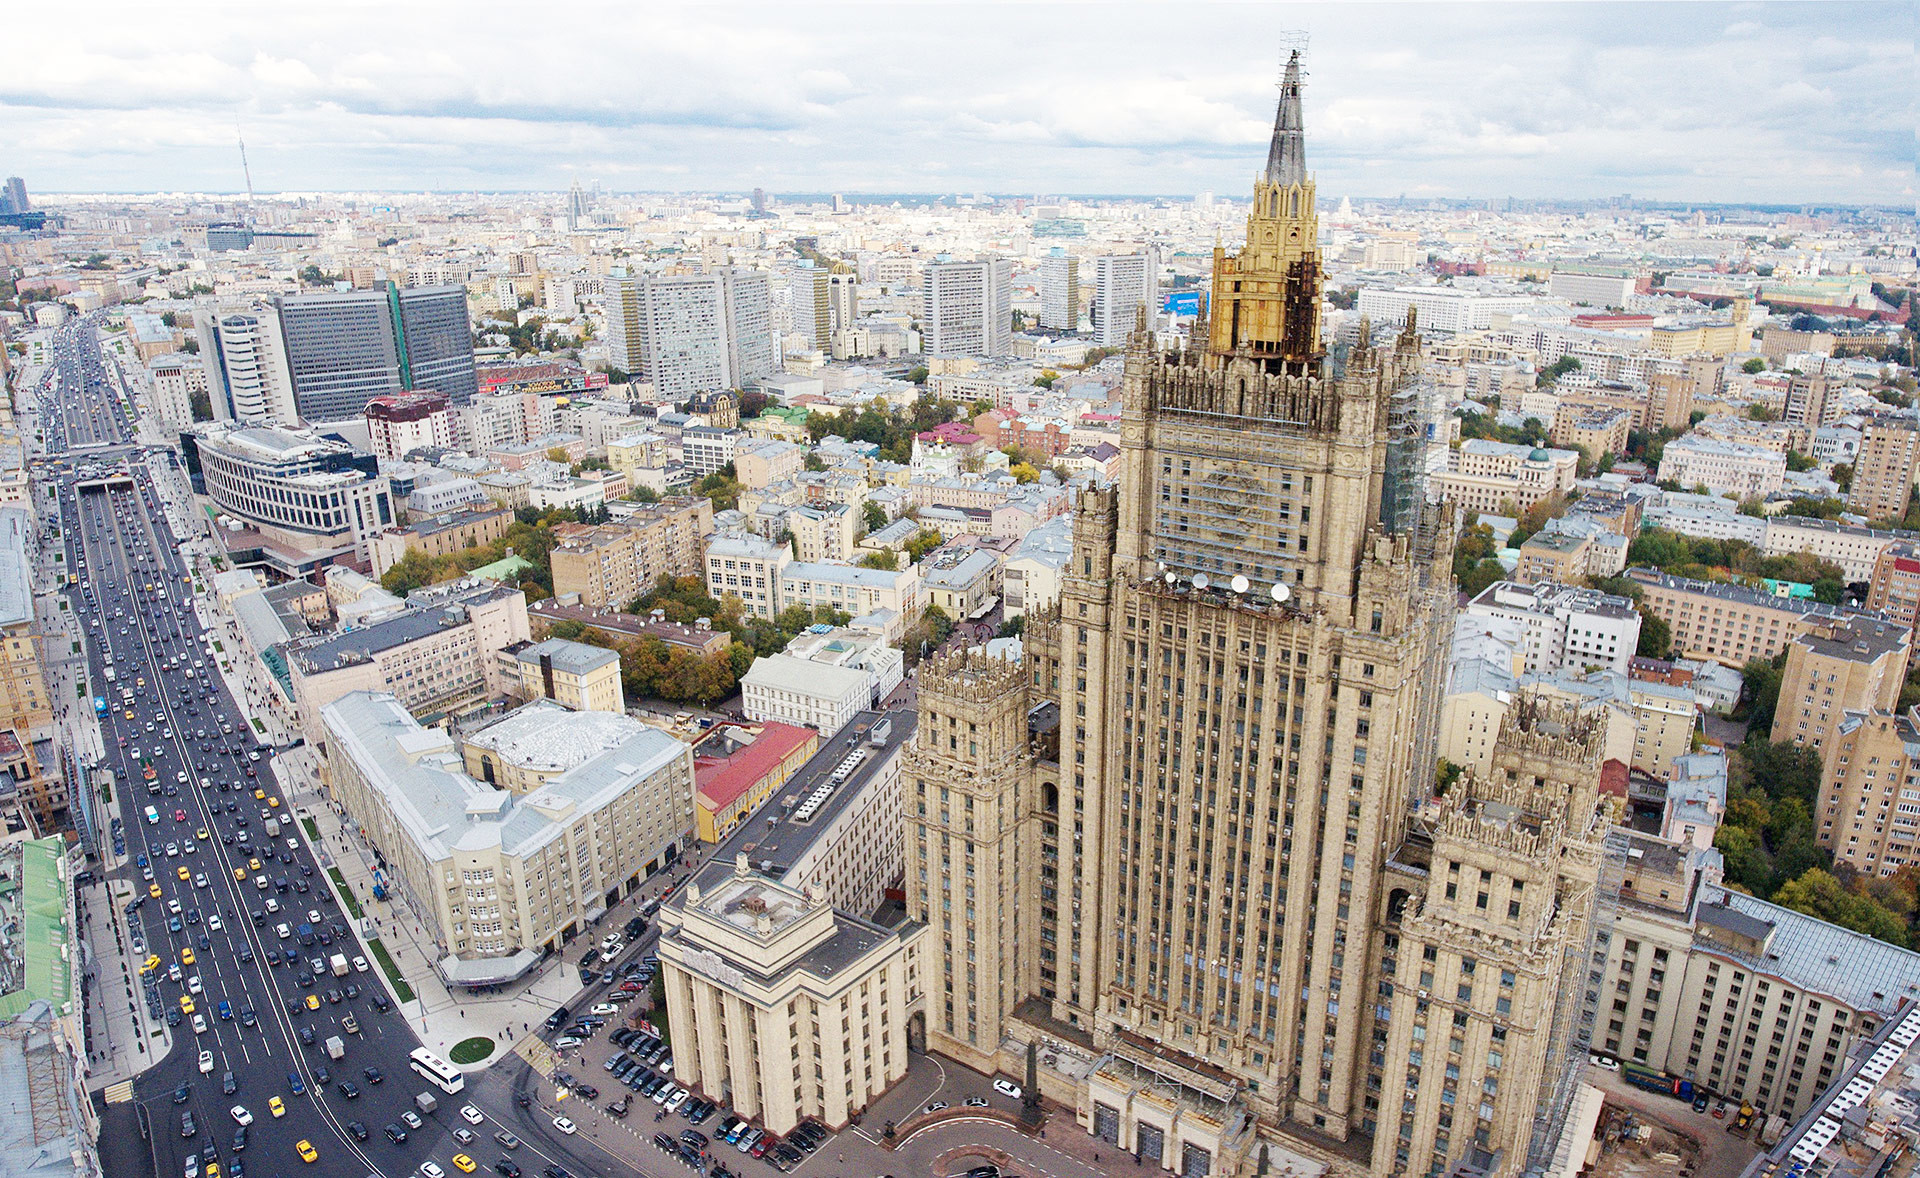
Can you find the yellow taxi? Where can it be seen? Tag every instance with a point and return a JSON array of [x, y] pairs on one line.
[[186, 1004], [253, 864], [129, 713], [152, 964], [186, 957], [277, 1107], [202, 835], [239, 873], [313, 1002], [140, 682], [212, 1170], [463, 1163], [153, 889], [185, 874], [273, 803], [260, 795], [307, 1153]]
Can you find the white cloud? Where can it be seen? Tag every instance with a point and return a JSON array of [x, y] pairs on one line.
[[1785, 102]]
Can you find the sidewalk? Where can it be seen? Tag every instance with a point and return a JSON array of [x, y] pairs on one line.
[[122, 1041]]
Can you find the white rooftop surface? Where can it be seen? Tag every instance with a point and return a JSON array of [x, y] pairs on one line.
[[549, 737], [419, 772], [784, 672], [16, 567]]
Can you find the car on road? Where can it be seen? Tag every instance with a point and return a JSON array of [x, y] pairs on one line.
[[506, 1169], [976, 1102], [395, 1133], [507, 1140], [935, 1107], [1007, 1088], [463, 1163], [372, 1075], [358, 1129], [307, 1153], [349, 1089], [411, 1119], [1601, 1061], [567, 1042], [206, 1062], [276, 1106], [432, 1170], [240, 1115], [565, 1126], [471, 1115]]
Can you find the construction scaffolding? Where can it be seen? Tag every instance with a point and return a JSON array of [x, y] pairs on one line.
[[1577, 1006]]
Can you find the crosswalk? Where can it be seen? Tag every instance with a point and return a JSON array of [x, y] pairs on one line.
[[120, 1093], [538, 1055]]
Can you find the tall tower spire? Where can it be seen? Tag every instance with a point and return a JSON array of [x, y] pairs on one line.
[[1266, 298], [1287, 155]]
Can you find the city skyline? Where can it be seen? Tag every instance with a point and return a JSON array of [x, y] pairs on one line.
[[1708, 102]]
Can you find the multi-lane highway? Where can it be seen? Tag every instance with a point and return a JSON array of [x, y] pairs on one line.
[[225, 879]]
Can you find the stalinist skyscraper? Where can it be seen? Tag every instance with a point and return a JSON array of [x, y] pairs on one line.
[[1187, 835]]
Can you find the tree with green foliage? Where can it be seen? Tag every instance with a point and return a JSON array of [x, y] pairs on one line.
[[919, 374], [1818, 893], [1759, 692], [1824, 507], [1656, 637], [873, 515], [722, 488], [925, 541], [1474, 566], [1554, 371], [885, 561], [1798, 462], [1754, 365], [644, 495]]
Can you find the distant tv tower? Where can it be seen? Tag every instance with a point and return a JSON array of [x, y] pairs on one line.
[[244, 169]]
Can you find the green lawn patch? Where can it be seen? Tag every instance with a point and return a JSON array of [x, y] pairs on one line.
[[347, 898], [471, 1050], [218, 647], [313, 830], [257, 725], [401, 990]]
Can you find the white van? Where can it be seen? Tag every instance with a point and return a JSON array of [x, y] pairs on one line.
[[153, 816]]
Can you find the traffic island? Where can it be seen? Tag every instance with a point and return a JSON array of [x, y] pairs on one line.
[[472, 1050]]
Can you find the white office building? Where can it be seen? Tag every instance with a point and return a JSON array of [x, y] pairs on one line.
[[824, 678], [970, 308], [1121, 284], [248, 377], [691, 333], [1440, 308], [1060, 292], [1565, 626]]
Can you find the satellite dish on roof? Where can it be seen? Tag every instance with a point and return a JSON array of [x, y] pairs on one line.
[[1241, 584], [1201, 581], [1171, 578], [1280, 592]]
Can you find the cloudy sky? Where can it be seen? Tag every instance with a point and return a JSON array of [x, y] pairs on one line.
[[1683, 101]]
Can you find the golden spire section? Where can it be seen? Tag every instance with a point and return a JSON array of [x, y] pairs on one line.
[[1266, 298]]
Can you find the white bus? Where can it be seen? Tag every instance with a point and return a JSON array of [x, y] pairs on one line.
[[444, 1075]]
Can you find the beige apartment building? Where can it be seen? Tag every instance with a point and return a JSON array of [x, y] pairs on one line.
[[1497, 478], [611, 564], [437, 656], [1856, 665], [782, 1007], [437, 536], [1893, 588], [1597, 431], [825, 533], [1749, 1000], [571, 812], [1868, 813], [25, 704], [1730, 624], [572, 674], [1855, 549], [1883, 469]]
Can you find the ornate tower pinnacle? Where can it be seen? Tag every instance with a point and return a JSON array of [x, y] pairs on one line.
[[1266, 298], [1287, 156]]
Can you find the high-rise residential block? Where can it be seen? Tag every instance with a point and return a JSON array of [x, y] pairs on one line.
[[13, 197], [1868, 812], [970, 308], [1858, 664], [246, 361], [1122, 284], [812, 306], [843, 294], [691, 333], [1883, 471], [1060, 292]]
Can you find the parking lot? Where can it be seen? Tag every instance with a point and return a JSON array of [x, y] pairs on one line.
[[669, 1125]]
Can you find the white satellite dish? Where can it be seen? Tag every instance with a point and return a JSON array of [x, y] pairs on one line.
[[1280, 592], [1171, 578], [1241, 584], [1201, 581]]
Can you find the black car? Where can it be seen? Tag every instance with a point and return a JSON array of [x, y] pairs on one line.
[[555, 1172], [666, 1143], [239, 1139], [349, 1089], [381, 1003], [694, 1138], [506, 1169], [586, 1091], [358, 1130], [228, 1085], [394, 1133], [182, 1094], [321, 1075], [373, 1075], [306, 1036]]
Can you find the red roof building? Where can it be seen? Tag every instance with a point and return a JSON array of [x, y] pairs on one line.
[[738, 766]]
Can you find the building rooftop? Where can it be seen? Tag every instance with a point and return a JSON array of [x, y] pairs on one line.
[[1852, 968], [1859, 639], [1866, 1122], [552, 738], [16, 567], [574, 658], [772, 837], [804, 676], [956, 568], [723, 768]]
